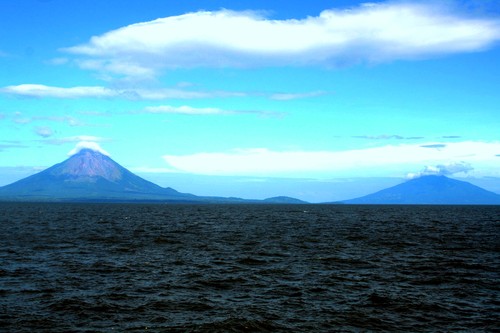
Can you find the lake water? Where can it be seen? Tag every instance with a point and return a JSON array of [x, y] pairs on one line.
[[246, 268]]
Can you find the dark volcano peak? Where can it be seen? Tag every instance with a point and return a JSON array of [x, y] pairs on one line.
[[88, 152], [89, 163]]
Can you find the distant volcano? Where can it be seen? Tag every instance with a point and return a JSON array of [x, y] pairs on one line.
[[88, 175], [431, 190]]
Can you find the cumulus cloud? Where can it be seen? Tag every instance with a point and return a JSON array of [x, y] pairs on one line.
[[87, 145], [385, 160], [443, 170], [368, 33]]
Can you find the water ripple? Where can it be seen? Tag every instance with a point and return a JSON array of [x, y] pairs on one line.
[[248, 268]]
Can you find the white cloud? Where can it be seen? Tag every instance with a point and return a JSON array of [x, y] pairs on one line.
[[443, 169], [189, 110], [7, 144], [40, 91], [44, 91], [389, 160], [19, 119], [388, 137], [58, 61], [71, 121], [78, 138], [87, 145], [184, 110], [152, 170], [375, 33], [123, 67], [291, 96]]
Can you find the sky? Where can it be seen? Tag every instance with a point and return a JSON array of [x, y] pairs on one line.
[[319, 100]]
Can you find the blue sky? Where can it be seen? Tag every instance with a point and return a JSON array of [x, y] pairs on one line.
[[323, 100]]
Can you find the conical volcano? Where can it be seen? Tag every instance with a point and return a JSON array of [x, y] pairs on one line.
[[88, 165], [431, 190], [88, 175]]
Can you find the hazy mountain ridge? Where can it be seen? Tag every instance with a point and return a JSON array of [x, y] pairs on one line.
[[284, 200]]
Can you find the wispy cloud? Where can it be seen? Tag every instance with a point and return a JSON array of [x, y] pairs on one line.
[[434, 145], [96, 113], [389, 159], [58, 61], [182, 91], [189, 110], [7, 144], [387, 137], [152, 170], [368, 33], [292, 96], [77, 138], [19, 118], [71, 121], [41, 91]]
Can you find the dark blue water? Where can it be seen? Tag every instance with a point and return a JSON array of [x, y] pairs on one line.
[[246, 268]]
